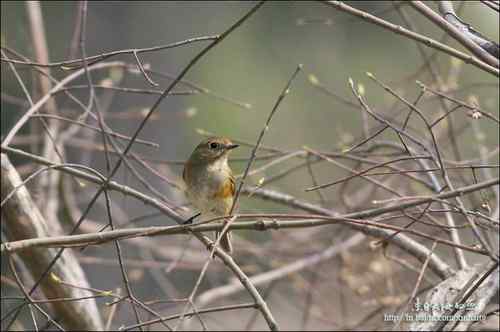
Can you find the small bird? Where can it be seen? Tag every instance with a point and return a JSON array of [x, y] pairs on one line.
[[210, 182]]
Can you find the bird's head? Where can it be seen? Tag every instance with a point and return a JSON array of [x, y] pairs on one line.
[[212, 149]]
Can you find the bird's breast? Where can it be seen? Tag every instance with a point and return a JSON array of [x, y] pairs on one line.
[[206, 188]]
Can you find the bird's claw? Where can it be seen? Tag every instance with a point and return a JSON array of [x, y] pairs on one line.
[[191, 219]]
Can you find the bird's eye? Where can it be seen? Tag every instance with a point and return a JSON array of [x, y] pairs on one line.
[[214, 145]]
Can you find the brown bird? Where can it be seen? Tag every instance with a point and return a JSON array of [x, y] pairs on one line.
[[210, 182]]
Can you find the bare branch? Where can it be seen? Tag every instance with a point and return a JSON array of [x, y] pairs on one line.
[[23, 220]]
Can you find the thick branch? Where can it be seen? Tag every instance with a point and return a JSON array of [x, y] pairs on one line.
[[415, 36], [458, 30], [21, 219]]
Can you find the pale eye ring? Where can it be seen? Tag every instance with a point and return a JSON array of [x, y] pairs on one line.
[[214, 145]]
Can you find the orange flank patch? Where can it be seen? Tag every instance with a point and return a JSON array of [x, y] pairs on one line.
[[227, 189]]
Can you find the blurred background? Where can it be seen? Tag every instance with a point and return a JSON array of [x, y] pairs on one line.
[[242, 77]]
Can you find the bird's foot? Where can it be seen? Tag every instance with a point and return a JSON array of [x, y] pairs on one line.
[[190, 220]]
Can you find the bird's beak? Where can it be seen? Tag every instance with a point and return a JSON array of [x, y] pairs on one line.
[[231, 146]]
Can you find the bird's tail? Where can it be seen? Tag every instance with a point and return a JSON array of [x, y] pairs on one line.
[[225, 242]]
